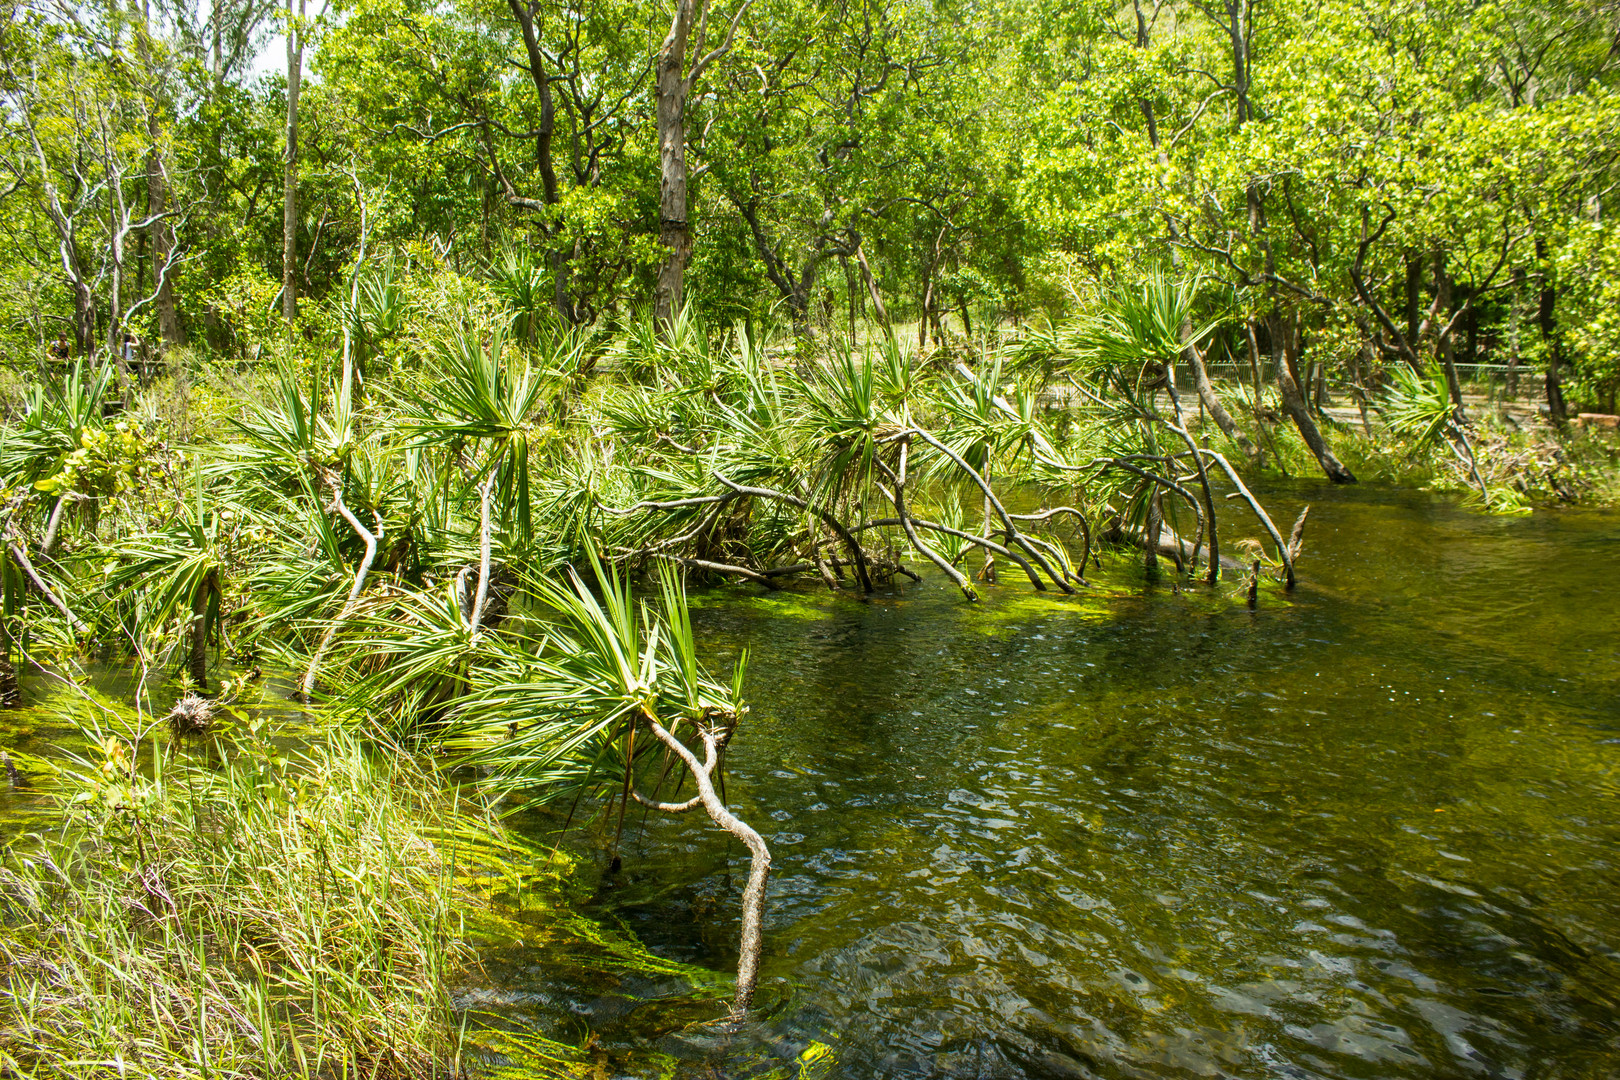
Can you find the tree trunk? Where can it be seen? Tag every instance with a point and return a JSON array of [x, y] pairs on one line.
[[1556, 410], [1212, 403], [750, 942], [524, 12], [1514, 356], [871, 286], [160, 238], [793, 290], [1285, 339], [1151, 531], [199, 637], [927, 316], [84, 317], [115, 318], [1444, 347], [673, 231], [1414, 286], [162, 244], [289, 211]]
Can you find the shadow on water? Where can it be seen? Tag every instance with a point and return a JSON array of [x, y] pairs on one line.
[[1366, 831]]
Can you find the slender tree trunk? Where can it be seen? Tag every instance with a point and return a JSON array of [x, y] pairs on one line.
[[199, 636], [1514, 356], [922, 315], [988, 573], [1151, 531], [1411, 296], [161, 241], [289, 210], [524, 11], [115, 318], [930, 270], [1285, 339], [871, 287], [84, 317], [849, 287], [673, 230], [1546, 319], [1195, 359], [160, 238], [1212, 403], [759, 863], [1445, 348], [313, 672]]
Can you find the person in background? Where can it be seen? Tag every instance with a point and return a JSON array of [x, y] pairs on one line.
[[59, 351], [132, 348]]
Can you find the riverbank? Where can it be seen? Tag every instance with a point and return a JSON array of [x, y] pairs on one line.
[[235, 909]]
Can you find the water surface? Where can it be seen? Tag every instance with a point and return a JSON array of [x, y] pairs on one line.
[[1367, 830]]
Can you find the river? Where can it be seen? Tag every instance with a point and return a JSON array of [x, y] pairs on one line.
[[1369, 829]]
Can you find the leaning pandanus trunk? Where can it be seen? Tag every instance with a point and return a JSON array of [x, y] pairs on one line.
[[759, 866]]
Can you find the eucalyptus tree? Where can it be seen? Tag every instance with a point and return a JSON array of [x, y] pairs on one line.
[[675, 80], [827, 122], [554, 152], [90, 155], [295, 30]]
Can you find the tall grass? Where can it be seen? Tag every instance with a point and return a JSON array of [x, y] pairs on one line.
[[254, 917]]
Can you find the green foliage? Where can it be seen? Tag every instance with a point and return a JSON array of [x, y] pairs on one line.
[[1418, 408], [273, 915]]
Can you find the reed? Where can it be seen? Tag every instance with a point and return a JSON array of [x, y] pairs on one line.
[[252, 915]]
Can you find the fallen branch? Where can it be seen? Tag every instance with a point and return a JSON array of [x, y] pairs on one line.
[[1259, 512], [20, 557], [1013, 535], [898, 498], [715, 567], [826, 516]]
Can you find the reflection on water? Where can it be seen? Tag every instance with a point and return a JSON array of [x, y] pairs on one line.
[[1367, 831]]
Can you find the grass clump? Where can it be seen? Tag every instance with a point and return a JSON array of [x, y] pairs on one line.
[[259, 916]]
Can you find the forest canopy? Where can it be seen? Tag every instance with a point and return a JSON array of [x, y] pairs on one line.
[[1359, 184]]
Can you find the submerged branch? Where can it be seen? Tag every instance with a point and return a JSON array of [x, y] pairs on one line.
[[1259, 512]]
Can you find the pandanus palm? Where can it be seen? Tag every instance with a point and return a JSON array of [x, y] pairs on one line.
[[600, 698], [321, 463], [614, 696], [1129, 344], [486, 408], [1421, 409], [179, 573]]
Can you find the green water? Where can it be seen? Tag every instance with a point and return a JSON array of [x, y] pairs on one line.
[[1369, 830]]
